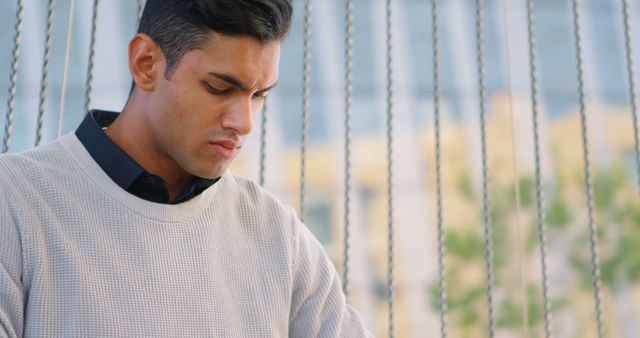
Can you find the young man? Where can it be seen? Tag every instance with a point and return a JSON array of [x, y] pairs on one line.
[[132, 226]]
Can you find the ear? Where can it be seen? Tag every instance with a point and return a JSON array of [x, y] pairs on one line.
[[146, 61]]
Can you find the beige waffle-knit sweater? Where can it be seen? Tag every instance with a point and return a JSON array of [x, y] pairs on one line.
[[81, 257]]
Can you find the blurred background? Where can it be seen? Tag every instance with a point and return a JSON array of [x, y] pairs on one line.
[[518, 281]]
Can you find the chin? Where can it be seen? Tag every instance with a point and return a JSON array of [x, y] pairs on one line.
[[208, 173], [204, 167]]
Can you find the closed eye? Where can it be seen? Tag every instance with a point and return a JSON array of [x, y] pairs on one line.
[[260, 96], [217, 91]]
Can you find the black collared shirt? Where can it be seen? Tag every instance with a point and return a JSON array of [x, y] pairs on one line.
[[122, 169]]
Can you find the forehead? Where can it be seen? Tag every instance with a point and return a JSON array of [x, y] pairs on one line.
[[244, 57]]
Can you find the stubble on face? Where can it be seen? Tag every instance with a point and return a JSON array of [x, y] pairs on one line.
[[189, 117]]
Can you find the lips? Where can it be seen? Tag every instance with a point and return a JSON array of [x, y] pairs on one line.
[[229, 144], [225, 148]]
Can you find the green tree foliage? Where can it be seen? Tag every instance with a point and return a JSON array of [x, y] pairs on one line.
[[618, 226], [557, 214], [618, 222]]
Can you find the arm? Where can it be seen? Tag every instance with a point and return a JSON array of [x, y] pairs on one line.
[[318, 307], [11, 290]]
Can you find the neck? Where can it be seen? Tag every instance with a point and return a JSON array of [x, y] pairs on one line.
[[131, 132]]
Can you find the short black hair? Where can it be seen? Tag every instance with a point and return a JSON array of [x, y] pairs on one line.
[[179, 26]]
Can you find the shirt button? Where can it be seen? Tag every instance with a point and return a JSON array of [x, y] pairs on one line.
[[151, 180]]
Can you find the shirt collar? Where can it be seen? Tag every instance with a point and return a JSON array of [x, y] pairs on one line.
[[119, 166], [122, 169]]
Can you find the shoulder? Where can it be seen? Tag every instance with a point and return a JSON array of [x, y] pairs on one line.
[[257, 210], [251, 195], [45, 156], [35, 167]]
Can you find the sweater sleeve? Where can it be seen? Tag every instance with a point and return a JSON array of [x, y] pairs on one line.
[[319, 308], [11, 288]]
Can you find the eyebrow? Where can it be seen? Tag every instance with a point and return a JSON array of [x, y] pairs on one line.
[[235, 82]]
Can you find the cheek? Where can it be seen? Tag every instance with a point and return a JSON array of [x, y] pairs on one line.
[[192, 125], [181, 108], [188, 115], [170, 123]]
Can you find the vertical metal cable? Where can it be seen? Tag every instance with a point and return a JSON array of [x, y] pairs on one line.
[[139, 13], [536, 141], [45, 73], [632, 84], [263, 145], [347, 141], [595, 260], [436, 115], [65, 72], [516, 178], [306, 84], [92, 48], [488, 231], [390, 165], [13, 77]]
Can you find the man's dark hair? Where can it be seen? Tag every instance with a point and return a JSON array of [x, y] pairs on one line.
[[179, 26]]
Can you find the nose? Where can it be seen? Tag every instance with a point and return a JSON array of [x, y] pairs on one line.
[[239, 116]]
